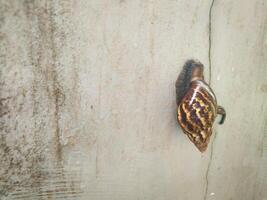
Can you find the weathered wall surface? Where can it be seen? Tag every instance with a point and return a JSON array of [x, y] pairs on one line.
[[88, 100]]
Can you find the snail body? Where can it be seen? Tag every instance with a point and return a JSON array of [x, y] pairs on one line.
[[197, 105]]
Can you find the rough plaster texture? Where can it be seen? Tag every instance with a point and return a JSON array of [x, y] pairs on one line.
[[88, 100]]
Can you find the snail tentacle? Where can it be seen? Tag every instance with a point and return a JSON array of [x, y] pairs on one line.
[[221, 111]]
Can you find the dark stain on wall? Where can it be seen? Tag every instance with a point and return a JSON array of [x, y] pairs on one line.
[[31, 154]]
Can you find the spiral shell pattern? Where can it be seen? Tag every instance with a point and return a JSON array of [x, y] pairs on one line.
[[197, 112]]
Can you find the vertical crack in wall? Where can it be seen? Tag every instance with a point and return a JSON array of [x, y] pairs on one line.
[[212, 145], [208, 168], [210, 26]]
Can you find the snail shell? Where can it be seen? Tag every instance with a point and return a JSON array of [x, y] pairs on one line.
[[197, 105]]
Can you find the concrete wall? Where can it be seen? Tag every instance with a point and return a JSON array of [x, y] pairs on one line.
[[88, 100]]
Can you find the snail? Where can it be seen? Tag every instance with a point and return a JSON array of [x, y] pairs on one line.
[[196, 105]]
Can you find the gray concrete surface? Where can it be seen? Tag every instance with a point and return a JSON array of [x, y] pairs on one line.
[[88, 99]]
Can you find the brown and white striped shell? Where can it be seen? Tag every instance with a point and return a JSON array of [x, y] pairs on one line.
[[196, 104], [197, 112]]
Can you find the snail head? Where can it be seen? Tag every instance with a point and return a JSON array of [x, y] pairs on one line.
[[192, 70], [197, 71]]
